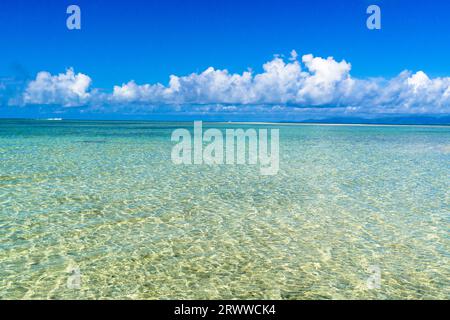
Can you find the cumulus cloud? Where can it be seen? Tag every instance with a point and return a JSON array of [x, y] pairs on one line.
[[309, 82], [67, 89]]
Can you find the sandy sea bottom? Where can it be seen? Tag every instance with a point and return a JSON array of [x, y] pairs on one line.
[[104, 198]]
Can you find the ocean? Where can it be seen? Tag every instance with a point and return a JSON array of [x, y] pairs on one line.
[[97, 209]]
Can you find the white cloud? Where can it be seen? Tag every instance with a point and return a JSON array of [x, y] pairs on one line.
[[67, 89], [326, 82], [313, 82], [280, 82]]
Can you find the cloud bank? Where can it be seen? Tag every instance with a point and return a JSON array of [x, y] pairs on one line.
[[67, 89], [310, 82]]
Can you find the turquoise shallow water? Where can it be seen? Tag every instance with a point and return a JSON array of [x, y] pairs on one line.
[[104, 197]]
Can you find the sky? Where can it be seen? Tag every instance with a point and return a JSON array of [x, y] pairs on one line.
[[225, 59]]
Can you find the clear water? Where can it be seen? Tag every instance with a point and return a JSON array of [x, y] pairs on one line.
[[105, 197]]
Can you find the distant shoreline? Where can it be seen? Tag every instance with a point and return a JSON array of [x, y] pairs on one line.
[[282, 123], [338, 124]]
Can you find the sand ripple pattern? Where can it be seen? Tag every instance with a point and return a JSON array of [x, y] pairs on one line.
[[105, 197]]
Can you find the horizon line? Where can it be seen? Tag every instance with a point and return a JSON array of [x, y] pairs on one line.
[[286, 123]]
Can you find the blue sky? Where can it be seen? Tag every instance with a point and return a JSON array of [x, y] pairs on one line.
[[147, 41]]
